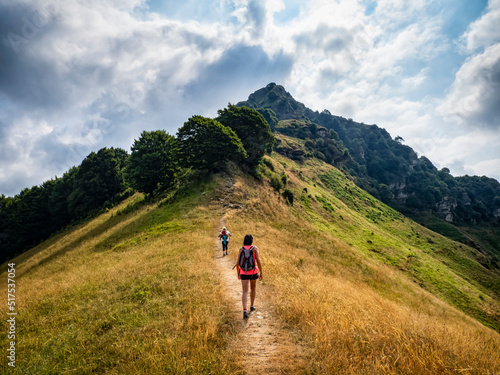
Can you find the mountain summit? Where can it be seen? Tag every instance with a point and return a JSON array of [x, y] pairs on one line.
[[386, 168], [276, 98]]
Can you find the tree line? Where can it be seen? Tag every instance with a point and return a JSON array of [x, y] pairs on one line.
[[106, 177]]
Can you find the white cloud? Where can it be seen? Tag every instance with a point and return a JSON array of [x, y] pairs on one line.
[[486, 168], [474, 99], [485, 31], [21, 153], [475, 96]]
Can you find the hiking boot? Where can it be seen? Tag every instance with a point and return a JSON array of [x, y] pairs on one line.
[[252, 308], [245, 314]]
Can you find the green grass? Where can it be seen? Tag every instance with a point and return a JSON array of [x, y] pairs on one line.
[[365, 294], [446, 268]]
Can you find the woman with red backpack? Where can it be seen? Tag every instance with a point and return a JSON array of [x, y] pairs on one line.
[[249, 270]]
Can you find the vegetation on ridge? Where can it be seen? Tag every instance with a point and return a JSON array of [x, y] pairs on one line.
[[388, 169], [108, 176]]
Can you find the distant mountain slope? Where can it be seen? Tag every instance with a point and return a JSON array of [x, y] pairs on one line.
[[388, 169], [381, 233]]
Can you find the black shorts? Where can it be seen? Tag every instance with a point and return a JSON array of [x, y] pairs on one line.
[[249, 277]]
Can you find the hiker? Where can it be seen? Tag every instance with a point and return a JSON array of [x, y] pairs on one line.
[[224, 237], [248, 261]]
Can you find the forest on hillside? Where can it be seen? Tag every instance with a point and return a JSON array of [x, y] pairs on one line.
[[385, 167], [157, 162]]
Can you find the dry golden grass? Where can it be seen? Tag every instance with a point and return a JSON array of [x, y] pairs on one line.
[[148, 307], [356, 315]]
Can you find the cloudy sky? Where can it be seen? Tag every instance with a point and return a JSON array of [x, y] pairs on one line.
[[79, 75]]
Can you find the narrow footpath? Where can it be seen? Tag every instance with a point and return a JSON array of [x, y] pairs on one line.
[[262, 344]]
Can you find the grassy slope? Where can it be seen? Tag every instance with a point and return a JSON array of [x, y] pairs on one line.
[[123, 294], [360, 287], [365, 288]]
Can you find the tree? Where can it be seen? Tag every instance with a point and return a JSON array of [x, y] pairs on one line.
[[58, 200], [99, 179], [251, 128], [270, 116], [153, 163], [207, 144], [385, 193]]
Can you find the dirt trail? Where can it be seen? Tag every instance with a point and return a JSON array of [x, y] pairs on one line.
[[262, 344]]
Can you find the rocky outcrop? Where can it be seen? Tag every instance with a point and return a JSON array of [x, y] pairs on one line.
[[398, 189], [294, 154], [464, 199], [496, 215], [322, 132], [445, 209]]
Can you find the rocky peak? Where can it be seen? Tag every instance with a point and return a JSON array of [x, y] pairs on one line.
[[275, 97]]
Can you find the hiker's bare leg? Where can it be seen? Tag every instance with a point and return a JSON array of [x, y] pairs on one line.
[[244, 296], [253, 291]]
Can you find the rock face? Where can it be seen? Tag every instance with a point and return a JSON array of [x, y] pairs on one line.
[[496, 215], [445, 209], [297, 155], [322, 132], [398, 189], [292, 151]]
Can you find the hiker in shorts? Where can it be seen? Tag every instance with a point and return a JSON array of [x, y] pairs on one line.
[[249, 270], [224, 237]]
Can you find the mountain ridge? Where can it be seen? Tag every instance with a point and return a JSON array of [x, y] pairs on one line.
[[389, 170], [357, 286]]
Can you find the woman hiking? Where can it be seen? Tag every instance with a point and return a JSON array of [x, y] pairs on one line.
[[248, 261], [224, 237]]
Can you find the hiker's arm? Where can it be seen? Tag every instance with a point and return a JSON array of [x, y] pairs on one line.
[[257, 259], [237, 264]]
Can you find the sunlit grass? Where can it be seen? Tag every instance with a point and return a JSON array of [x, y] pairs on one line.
[[129, 296], [350, 289]]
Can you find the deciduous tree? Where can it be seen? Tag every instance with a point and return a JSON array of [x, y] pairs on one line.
[[251, 128], [207, 144]]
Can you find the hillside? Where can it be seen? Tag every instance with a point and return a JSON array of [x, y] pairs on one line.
[[355, 285], [390, 170]]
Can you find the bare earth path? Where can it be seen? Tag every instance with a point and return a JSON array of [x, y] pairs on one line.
[[262, 344]]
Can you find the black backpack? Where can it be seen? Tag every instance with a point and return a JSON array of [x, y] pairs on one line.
[[246, 261]]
